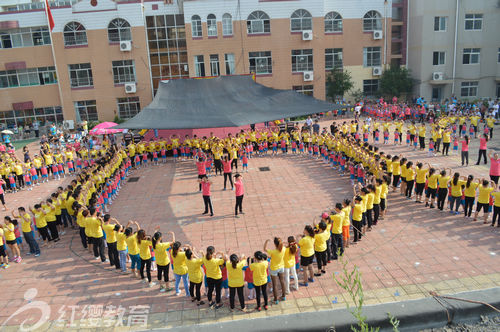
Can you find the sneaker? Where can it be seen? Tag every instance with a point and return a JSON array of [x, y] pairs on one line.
[[178, 294], [311, 279], [218, 306], [6, 266], [304, 284], [37, 255], [432, 206], [266, 307], [211, 304], [316, 275], [151, 284]]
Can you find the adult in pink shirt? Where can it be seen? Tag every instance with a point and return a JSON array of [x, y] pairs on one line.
[[205, 192], [200, 164], [483, 141], [240, 191], [494, 167], [465, 150], [226, 166]]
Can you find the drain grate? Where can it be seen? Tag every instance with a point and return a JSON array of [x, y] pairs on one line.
[[264, 169], [134, 179]]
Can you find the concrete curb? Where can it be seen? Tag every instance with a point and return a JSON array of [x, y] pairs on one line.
[[413, 316]]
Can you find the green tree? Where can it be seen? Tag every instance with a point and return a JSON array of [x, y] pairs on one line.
[[396, 81], [338, 82]]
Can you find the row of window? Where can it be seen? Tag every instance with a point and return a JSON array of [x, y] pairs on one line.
[[24, 37], [81, 74], [75, 33], [128, 107], [470, 56], [302, 60], [259, 22], [27, 77], [472, 22]]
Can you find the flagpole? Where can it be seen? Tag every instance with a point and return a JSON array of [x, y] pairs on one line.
[[54, 59]]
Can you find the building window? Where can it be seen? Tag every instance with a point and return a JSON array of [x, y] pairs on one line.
[[211, 25], [214, 65], [302, 60], [27, 77], [498, 90], [123, 71], [498, 60], [437, 93], [333, 22], [74, 34], [196, 30], [119, 30], [128, 107], [471, 56], [438, 58], [307, 90], [21, 118], [199, 65], [333, 58], [227, 25], [440, 23], [301, 20], [371, 56], [372, 21], [473, 21], [80, 75], [261, 62], [469, 89], [258, 22], [229, 61], [166, 36], [370, 87], [24, 37], [86, 110]]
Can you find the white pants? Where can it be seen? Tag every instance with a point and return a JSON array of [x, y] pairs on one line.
[[292, 271]]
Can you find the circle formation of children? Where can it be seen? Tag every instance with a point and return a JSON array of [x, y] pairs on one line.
[[84, 205]]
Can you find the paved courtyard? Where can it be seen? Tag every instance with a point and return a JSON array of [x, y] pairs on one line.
[[413, 251]]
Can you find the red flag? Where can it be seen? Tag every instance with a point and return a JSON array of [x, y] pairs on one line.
[[49, 15]]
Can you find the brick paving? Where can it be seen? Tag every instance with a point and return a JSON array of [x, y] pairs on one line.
[[413, 251]]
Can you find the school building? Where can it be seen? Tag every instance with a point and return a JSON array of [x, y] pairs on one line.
[[104, 58]]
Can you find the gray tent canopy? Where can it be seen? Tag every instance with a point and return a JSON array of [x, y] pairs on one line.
[[226, 101]]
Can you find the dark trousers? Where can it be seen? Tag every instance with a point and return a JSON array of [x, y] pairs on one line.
[[83, 237], [54, 234], [356, 225], [442, 193], [438, 144], [214, 284], [261, 289], [409, 188], [234, 164], [230, 177], [66, 218], [208, 204], [163, 270], [496, 216], [20, 180], [146, 263], [469, 203], [34, 248], [44, 232], [422, 142], [329, 249], [98, 248], [455, 200], [239, 205], [192, 286], [465, 157], [232, 294], [481, 153], [369, 217], [218, 166], [376, 213], [446, 147], [320, 259], [114, 259], [337, 245]]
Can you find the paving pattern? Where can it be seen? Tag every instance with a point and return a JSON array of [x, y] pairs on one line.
[[413, 251]]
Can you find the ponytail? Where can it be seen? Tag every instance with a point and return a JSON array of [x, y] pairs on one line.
[[210, 253], [234, 260], [292, 245], [469, 180], [175, 248], [456, 176], [278, 243], [156, 238]]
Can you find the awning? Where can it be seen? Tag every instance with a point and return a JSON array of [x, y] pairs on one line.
[[226, 101]]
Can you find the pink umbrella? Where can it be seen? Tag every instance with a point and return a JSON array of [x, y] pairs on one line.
[[105, 128]]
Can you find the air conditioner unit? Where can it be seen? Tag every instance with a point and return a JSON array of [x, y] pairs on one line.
[[377, 71], [307, 35], [437, 76], [130, 87], [308, 76], [68, 124], [126, 46], [377, 34]]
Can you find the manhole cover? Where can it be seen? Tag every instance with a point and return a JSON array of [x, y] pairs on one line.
[[134, 179], [264, 169]]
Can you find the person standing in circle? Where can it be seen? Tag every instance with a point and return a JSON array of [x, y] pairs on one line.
[[240, 190], [202, 171], [226, 165], [205, 191], [494, 167], [483, 146]]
